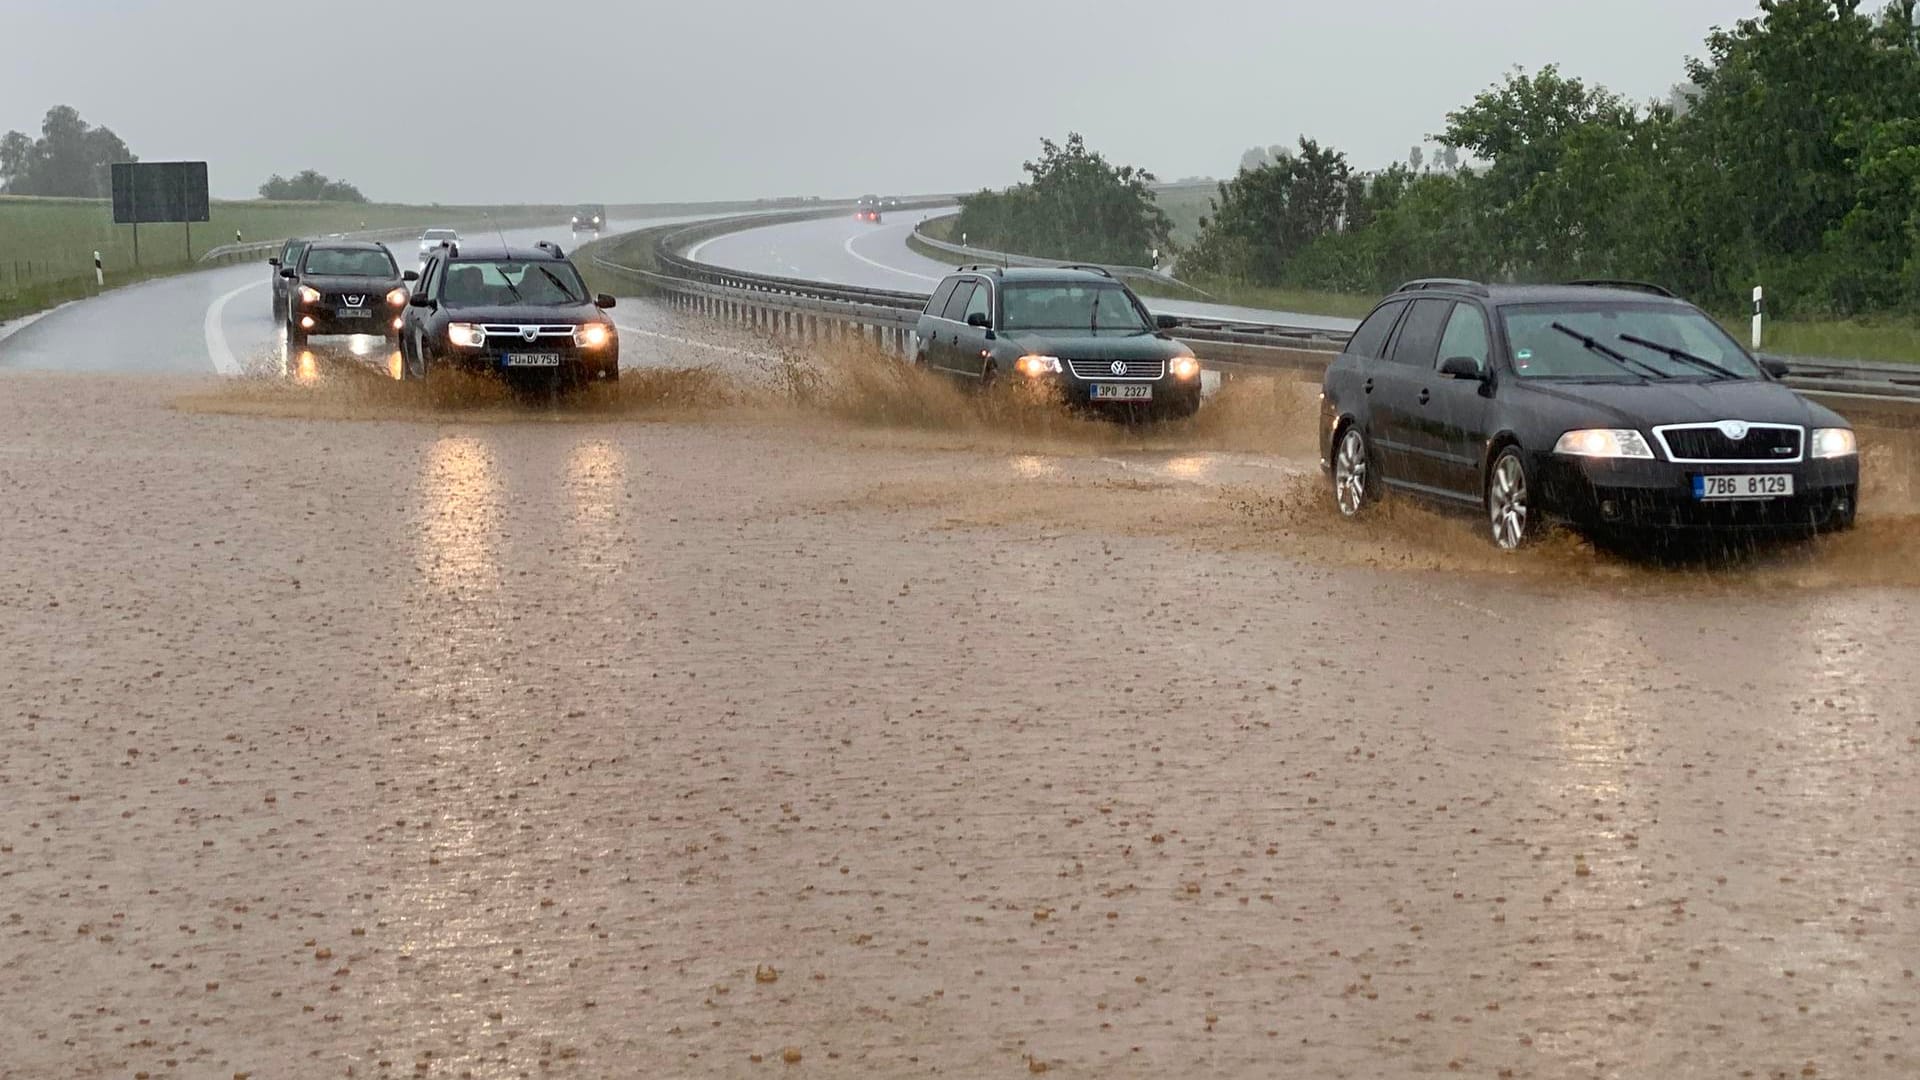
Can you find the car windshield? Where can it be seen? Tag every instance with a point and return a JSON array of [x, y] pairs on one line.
[[439, 234], [1541, 346], [1070, 307], [499, 284], [350, 262]]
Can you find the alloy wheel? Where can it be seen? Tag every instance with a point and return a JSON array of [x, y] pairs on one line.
[[1507, 505], [1350, 473]]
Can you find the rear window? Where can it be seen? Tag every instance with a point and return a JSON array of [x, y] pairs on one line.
[[350, 262]]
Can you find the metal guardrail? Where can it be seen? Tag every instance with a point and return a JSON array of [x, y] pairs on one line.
[[965, 254], [816, 308]]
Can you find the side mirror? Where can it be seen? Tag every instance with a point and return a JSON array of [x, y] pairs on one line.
[[1166, 322], [603, 301], [980, 320], [410, 275], [1776, 368], [289, 273], [421, 301], [1462, 367], [275, 261]]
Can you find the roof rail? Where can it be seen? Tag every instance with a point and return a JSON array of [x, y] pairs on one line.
[[1462, 284], [979, 268], [1621, 283], [551, 247], [1089, 267]]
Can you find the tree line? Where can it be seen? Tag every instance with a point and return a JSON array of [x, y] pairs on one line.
[[1789, 158], [71, 158]]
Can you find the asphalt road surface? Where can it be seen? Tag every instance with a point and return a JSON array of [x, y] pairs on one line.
[[343, 732], [209, 321], [849, 252]]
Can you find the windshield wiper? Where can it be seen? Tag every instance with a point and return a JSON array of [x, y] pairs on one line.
[[561, 285], [1621, 359], [508, 282], [1681, 355]]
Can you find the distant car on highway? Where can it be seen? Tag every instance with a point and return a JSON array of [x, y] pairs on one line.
[[868, 209], [1613, 406], [1077, 331], [289, 255], [589, 218], [433, 238], [517, 312], [344, 287]]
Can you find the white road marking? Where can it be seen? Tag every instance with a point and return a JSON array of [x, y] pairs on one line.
[[216, 334], [884, 266], [677, 340], [694, 251]]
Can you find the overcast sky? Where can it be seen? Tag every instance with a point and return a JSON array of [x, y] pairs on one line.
[[639, 100]]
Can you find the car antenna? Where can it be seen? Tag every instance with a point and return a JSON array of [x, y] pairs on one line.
[[498, 231]]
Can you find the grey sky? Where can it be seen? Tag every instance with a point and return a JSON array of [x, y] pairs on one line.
[[644, 100]]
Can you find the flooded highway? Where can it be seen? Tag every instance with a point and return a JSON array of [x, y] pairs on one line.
[[714, 725]]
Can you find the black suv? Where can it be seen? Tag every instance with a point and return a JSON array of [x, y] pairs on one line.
[[1614, 406], [514, 311], [1076, 330], [343, 287], [289, 255], [589, 218]]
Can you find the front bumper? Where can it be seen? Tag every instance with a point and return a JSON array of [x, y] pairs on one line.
[[1658, 495], [1171, 396], [573, 362], [379, 322]]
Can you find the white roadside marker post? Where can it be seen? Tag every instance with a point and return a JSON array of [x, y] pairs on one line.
[[99, 271], [1759, 314]]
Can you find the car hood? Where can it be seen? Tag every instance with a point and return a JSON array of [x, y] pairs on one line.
[[1656, 403], [1100, 345], [527, 314], [351, 284]]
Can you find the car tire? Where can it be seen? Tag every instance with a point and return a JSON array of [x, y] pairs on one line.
[[296, 337], [1513, 513], [1356, 483], [989, 377], [1841, 520]]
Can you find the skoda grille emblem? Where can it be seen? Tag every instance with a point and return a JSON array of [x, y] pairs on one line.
[[530, 332], [356, 301], [1119, 367], [1733, 429]]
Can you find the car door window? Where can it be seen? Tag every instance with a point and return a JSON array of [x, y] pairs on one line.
[[981, 304], [1371, 338], [937, 303], [956, 309], [1419, 337], [1466, 335]]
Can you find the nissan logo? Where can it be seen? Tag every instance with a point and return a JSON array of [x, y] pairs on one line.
[[1118, 367], [355, 301]]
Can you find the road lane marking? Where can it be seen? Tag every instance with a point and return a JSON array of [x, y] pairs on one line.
[[677, 340], [883, 266], [216, 334]]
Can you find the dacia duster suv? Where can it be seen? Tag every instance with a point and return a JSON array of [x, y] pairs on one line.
[[517, 312], [1075, 330]]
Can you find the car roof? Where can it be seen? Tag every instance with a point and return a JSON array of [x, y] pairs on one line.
[[1502, 295], [474, 251], [347, 245], [1054, 274]]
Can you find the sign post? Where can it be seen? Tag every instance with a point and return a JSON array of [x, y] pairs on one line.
[[1759, 314]]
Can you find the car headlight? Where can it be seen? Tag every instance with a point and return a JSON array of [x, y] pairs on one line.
[[467, 335], [596, 219], [1184, 367], [592, 335], [1036, 366], [309, 294], [1604, 443], [398, 298], [1833, 442]]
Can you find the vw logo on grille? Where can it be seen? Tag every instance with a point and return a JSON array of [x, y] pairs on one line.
[[1118, 367], [530, 332], [1733, 429], [355, 301]]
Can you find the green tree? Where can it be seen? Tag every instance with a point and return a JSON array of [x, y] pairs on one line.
[[69, 158], [1074, 205], [1265, 217], [310, 186]]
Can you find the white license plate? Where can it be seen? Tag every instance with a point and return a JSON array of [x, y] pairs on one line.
[[1759, 486], [354, 313], [1101, 391], [535, 359]]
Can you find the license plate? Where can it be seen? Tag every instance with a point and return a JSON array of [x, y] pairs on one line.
[[1762, 486], [354, 313], [1101, 391], [540, 359]]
